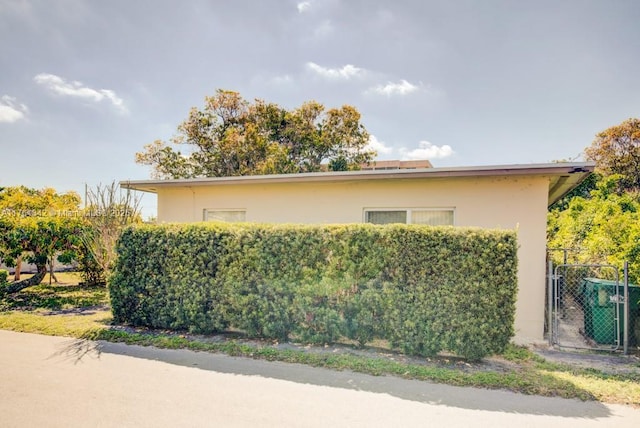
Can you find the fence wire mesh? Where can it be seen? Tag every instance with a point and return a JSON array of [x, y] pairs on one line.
[[587, 305]]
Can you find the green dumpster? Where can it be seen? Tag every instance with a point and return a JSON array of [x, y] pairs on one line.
[[601, 308]]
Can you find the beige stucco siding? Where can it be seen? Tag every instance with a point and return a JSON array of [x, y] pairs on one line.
[[490, 202]]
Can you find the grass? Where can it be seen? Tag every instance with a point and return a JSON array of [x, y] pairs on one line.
[[608, 389], [532, 376], [62, 309], [67, 309], [69, 324], [66, 294]]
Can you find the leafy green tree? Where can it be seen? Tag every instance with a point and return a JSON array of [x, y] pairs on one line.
[[231, 136], [39, 240], [21, 201], [616, 151], [605, 227]]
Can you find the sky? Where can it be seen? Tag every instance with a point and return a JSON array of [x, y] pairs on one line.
[[85, 84]]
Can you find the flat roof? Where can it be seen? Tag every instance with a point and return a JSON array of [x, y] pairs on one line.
[[564, 176]]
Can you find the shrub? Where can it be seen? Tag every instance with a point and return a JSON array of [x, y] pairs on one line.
[[363, 316], [90, 270], [423, 289], [454, 288], [320, 322], [166, 277], [3, 276]]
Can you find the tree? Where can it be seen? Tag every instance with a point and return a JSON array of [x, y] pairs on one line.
[[25, 201], [21, 201], [605, 227], [601, 218], [38, 239], [616, 150], [231, 136], [108, 212]]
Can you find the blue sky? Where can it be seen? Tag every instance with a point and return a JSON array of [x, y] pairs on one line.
[[84, 85]]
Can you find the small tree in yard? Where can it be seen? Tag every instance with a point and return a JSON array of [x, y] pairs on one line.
[[108, 211], [21, 201], [38, 240]]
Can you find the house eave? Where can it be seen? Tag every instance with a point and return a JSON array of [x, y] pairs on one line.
[[563, 176]]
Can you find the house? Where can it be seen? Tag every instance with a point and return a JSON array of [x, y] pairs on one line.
[[504, 196]]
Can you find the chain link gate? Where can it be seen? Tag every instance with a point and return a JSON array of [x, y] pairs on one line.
[[587, 307]]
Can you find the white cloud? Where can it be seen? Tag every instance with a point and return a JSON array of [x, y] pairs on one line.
[[10, 110], [303, 6], [60, 86], [426, 150], [378, 146], [400, 88], [344, 73]]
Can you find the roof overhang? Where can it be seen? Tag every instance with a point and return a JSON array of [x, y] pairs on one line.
[[563, 176]]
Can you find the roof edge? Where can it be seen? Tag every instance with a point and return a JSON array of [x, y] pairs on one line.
[[560, 168]]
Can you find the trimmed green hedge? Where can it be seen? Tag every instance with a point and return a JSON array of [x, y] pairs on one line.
[[424, 289]]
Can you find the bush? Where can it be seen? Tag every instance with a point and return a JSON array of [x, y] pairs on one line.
[[423, 289], [363, 316], [454, 289], [3, 281], [90, 270], [166, 277]]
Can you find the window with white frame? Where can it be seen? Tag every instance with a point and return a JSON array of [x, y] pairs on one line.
[[229, 216], [429, 216]]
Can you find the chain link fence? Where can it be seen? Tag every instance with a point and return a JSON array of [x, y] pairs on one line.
[[587, 305]]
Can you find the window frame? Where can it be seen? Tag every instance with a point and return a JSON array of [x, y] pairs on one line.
[[206, 211], [409, 212]]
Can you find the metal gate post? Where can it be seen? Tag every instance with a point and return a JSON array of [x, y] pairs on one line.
[[550, 302], [625, 308]]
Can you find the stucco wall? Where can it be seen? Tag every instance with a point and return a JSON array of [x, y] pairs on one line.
[[489, 202]]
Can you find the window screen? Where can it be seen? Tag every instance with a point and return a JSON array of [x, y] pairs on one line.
[[432, 217], [386, 217]]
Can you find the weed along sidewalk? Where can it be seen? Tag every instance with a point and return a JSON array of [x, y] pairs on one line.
[[65, 382]]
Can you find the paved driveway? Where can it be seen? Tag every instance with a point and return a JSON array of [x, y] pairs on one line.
[[59, 382]]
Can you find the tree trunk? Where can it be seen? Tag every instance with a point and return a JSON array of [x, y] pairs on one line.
[[36, 279], [16, 275], [51, 274]]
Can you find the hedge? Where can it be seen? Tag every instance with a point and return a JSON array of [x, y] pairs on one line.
[[423, 289]]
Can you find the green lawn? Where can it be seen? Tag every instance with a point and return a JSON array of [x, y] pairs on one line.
[[66, 294], [67, 309], [63, 309]]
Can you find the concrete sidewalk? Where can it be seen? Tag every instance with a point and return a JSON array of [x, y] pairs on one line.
[[61, 382]]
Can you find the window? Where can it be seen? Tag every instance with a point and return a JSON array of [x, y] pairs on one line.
[[386, 217], [432, 217], [229, 216]]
